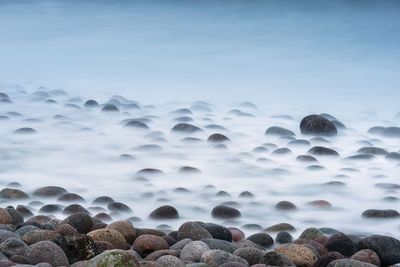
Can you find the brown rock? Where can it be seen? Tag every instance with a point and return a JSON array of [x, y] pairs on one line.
[[66, 229], [237, 234], [5, 217], [8, 193], [125, 228], [103, 246], [146, 244], [300, 255], [39, 235], [367, 255], [109, 235]]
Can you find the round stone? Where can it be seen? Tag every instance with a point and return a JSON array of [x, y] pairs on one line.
[[146, 244], [46, 251], [225, 212]]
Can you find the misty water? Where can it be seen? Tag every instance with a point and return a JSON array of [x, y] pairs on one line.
[[153, 58]]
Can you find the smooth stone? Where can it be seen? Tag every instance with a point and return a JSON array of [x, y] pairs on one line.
[[77, 247], [218, 231], [311, 233], [70, 197], [273, 258], [185, 128], [225, 212], [324, 260], [49, 191], [349, 263], [193, 231], [164, 212], [13, 246], [5, 217], [193, 251], [280, 131], [341, 243], [217, 138], [66, 229], [118, 206], [217, 257], [126, 228], [283, 238], [26, 229], [33, 237], [285, 205], [109, 235], [322, 151], [387, 248], [49, 252], [368, 256], [375, 213], [12, 194], [317, 125], [262, 239], [81, 221], [113, 258], [250, 254], [169, 260], [219, 244], [298, 254], [147, 244]]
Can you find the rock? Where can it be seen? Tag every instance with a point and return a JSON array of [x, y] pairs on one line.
[[25, 130], [218, 231], [21, 260], [110, 108], [317, 125], [372, 150], [103, 246], [237, 234], [320, 204], [74, 208], [306, 158], [169, 260], [66, 229], [50, 208], [319, 248], [12, 194], [188, 170], [185, 128], [280, 227], [181, 244], [164, 212], [6, 263], [368, 256], [387, 248], [113, 258], [349, 263], [273, 258], [39, 235], [234, 264], [217, 138], [46, 251], [16, 217], [25, 229], [49, 191], [70, 197], [193, 231], [217, 257], [281, 151], [125, 228], [298, 254], [285, 205], [322, 151], [341, 243], [283, 238], [137, 124], [219, 244], [91, 103], [374, 213], [103, 200], [262, 239], [5, 217], [14, 246], [159, 253], [250, 254], [109, 235], [225, 212], [327, 258], [193, 251], [24, 211], [275, 130], [118, 206], [311, 233], [146, 244], [77, 247], [80, 221]]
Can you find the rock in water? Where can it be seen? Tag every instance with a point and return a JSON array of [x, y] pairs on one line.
[[387, 248], [317, 125]]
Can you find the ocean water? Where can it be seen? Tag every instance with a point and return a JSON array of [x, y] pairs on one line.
[[291, 58]]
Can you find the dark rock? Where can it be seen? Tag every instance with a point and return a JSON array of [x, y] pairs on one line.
[[218, 257], [219, 244], [5, 234], [38, 220], [164, 212], [322, 151], [147, 244], [387, 248], [25, 229], [324, 260], [12, 194], [192, 251], [374, 213], [16, 217], [74, 208], [25, 130], [118, 206], [372, 150], [193, 231], [80, 221], [273, 258], [50, 208], [24, 211], [341, 243], [113, 258], [218, 231], [262, 239], [306, 158], [318, 248], [91, 103], [349, 263], [5, 217], [368, 256], [66, 229], [13, 246], [125, 228], [137, 124], [280, 227], [49, 191], [217, 138], [70, 197], [109, 235], [281, 151], [185, 128], [283, 238], [46, 251], [110, 108], [237, 234], [33, 237], [77, 247], [275, 130], [311, 233], [393, 156], [250, 254], [188, 169], [317, 125], [103, 200], [159, 253], [224, 212], [285, 205], [169, 260]]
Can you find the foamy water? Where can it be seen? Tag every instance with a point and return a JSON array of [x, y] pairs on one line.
[[81, 151]]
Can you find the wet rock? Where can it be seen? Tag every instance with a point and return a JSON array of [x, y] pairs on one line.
[[193, 231], [320, 204], [70, 197], [13, 246], [33, 237], [341, 243], [125, 228], [16, 217], [349, 263], [285, 205], [250, 254], [188, 169], [137, 124], [368, 256], [283, 238], [25, 130], [387, 248], [193, 251], [262, 239], [219, 244], [279, 131], [372, 150], [281, 151], [25, 229], [12, 194], [317, 125], [375, 213], [159, 253], [6, 263], [66, 229], [164, 212], [50, 208], [318, 248], [110, 108], [246, 194], [38, 220], [327, 258], [185, 128], [80, 221], [74, 208], [5, 217], [298, 254], [91, 103], [180, 244], [169, 260], [77, 247], [46, 251], [103, 200], [218, 257], [49, 191], [322, 151], [225, 212], [118, 206], [217, 138], [273, 258], [113, 258], [311, 233], [280, 227], [306, 158], [5, 234], [109, 235], [237, 234], [147, 244], [218, 231]]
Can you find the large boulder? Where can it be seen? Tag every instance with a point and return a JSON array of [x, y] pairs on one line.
[[317, 125], [387, 248]]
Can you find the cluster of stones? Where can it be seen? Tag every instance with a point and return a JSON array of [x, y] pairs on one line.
[[81, 240]]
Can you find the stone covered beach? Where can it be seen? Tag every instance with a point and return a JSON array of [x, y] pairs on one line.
[[86, 182]]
